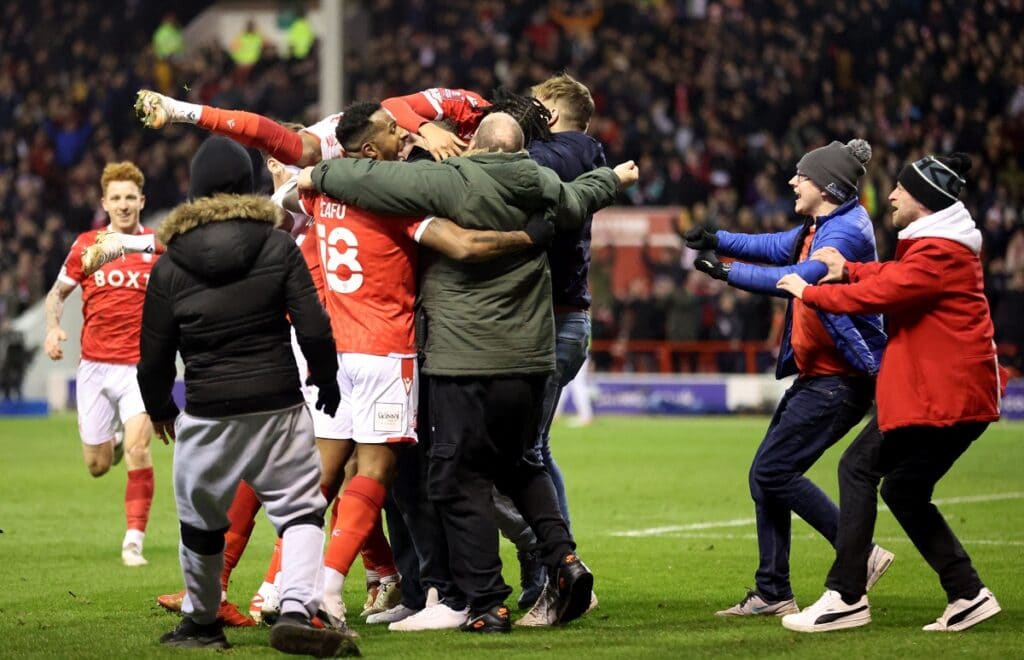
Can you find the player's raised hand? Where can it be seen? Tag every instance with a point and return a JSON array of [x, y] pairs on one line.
[[628, 174], [52, 343], [441, 143]]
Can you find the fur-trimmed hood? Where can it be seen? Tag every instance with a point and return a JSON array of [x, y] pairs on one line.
[[218, 238]]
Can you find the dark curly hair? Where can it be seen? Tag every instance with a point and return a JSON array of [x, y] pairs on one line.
[[530, 113]]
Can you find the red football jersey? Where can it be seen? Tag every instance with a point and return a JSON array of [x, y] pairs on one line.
[[369, 271], [308, 247], [458, 105], [112, 300]]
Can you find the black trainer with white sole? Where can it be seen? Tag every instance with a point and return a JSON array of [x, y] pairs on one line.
[[192, 635], [295, 634]]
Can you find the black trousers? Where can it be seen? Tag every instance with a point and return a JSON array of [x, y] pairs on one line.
[[911, 461], [425, 537], [481, 429]]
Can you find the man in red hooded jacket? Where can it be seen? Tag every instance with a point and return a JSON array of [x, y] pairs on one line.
[[938, 390]]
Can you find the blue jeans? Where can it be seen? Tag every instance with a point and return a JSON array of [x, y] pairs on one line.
[[814, 414], [572, 339]]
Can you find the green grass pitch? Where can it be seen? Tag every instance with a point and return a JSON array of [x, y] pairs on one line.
[[64, 593]]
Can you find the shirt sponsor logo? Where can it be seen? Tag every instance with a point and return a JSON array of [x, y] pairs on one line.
[[128, 279], [387, 417]]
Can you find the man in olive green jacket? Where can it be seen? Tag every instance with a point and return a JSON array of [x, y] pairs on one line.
[[488, 343]]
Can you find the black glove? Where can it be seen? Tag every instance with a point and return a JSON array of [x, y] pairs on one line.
[[540, 230], [707, 262], [328, 396], [699, 238]]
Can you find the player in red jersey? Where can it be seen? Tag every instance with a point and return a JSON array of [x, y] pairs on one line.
[[369, 268], [107, 393], [416, 113]]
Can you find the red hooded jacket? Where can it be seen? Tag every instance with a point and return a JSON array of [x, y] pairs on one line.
[[939, 367]]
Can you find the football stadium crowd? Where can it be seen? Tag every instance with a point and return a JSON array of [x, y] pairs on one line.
[[715, 101]]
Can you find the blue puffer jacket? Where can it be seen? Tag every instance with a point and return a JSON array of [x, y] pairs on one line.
[[859, 339]]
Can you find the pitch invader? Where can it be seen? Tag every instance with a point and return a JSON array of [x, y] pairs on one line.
[[107, 395]]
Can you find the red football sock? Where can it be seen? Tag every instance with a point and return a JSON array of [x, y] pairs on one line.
[[242, 515], [138, 497], [253, 130], [376, 552], [275, 563], [358, 511]]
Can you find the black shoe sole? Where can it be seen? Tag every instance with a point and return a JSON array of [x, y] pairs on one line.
[[298, 639], [579, 598], [196, 643]]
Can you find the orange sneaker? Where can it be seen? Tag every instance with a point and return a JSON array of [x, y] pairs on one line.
[[171, 602], [232, 618]]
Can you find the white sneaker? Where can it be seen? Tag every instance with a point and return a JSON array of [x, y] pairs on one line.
[[879, 562], [388, 595], [754, 604], [435, 616], [829, 613], [593, 603], [333, 608], [963, 613], [265, 603], [156, 110], [131, 548], [396, 613], [105, 249], [545, 611]]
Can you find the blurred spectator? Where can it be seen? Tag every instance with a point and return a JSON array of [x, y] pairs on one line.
[[715, 100], [167, 40], [247, 46], [301, 37], [728, 326], [15, 357]]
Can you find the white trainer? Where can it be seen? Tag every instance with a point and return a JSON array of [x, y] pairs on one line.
[[105, 248], [754, 604], [131, 548], [829, 613], [388, 595], [265, 603], [963, 613], [333, 607], [155, 110], [545, 611], [435, 616], [879, 562], [396, 613]]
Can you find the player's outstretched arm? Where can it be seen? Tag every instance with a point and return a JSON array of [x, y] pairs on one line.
[[460, 244], [247, 128], [54, 307]]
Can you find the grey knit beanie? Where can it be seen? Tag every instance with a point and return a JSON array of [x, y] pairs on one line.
[[836, 167]]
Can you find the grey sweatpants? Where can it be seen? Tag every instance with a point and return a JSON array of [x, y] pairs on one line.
[[275, 453]]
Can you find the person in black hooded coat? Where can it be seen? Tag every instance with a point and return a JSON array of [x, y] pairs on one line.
[[223, 298]]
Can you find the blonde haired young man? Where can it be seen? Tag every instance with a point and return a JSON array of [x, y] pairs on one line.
[[107, 395]]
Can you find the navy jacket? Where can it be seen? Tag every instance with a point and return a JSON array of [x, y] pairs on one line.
[[570, 154], [859, 339]]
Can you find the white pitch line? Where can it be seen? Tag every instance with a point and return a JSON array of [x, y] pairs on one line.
[[741, 522]]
